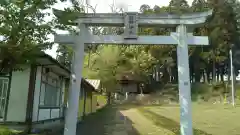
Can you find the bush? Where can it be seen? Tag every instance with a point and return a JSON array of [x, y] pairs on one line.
[[199, 92], [210, 92], [6, 131]]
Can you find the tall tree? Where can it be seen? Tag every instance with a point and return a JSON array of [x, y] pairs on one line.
[[24, 30], [236, 48], [222, 27], [64, 20], [199, 5], [145, 8], [178, 6], [197, 65]]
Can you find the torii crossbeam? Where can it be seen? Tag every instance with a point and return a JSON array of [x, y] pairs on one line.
[[131, 21]]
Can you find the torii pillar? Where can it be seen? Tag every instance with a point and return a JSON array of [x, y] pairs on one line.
[[132, 21], [71, 117]]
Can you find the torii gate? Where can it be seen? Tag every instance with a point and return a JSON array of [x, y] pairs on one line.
[[131, 21]]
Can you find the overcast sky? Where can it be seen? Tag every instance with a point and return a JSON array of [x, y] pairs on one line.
[[103, 6], [133, 5]]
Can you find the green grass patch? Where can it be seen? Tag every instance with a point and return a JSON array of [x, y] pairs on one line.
[[6, 131], [208, 119]]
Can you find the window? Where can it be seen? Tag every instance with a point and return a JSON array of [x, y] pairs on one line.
[[42, 94], [3, 95], [131, 19], [50, 95]]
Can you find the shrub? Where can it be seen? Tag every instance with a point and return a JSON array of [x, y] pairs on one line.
[[6, 131]]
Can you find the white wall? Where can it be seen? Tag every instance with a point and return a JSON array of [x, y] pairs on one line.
[[18, 96], [36, 93], [45, 114]]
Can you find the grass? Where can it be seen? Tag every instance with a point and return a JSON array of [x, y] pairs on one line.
[[6, 131], [208, 119]]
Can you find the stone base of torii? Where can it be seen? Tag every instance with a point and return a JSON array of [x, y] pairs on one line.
[[132, 21]]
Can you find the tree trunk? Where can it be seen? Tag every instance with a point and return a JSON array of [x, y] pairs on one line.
[[109, 98], [170, 74], [213, 72], [191, 74], [176, 76], [217, 74], [222, 74], [197, 75], [208, 75], [165, 75], [204, 75]]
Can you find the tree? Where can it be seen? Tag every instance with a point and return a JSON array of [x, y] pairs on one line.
[[196, 63], [178, 6], [65, 20], [236, 48], [222, 30], [104, 65], [145, 8], [24, 30], [139, 60], [199, 6], [156, 9]]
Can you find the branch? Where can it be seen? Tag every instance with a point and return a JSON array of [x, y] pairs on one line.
[[92, 8], [114, 9]]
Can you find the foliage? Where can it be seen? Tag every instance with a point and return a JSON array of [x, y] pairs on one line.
[[6, 131], [204, 61], [178, 6], [24, 30], [65, 20], [109, 63]]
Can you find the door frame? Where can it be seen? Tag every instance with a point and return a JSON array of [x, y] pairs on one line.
[[9, 78]]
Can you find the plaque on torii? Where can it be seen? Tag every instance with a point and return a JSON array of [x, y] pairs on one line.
[[131, 21]]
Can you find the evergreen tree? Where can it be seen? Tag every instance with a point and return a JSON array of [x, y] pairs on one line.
[[222, 29], [178, 6], [199, 6]]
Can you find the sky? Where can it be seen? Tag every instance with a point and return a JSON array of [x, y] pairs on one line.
[[103, 6]]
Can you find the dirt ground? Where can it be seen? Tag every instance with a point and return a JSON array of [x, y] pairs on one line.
[[160, 120], [109, 121]]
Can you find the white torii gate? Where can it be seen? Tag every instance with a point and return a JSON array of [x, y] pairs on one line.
[[131, 21]]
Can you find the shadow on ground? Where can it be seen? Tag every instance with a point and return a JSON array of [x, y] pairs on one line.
[[167, 123], [107, 121]]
